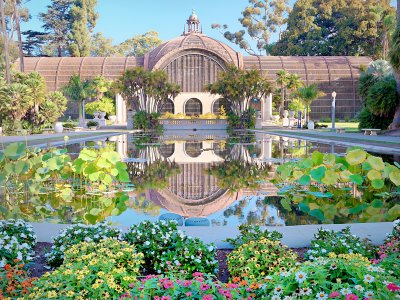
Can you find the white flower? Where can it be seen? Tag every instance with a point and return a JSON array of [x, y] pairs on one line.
[[359, 288], [284, 274], [369, 294], [278, 290], [322, 296], [210, 248], [275, 297], [345, 291], [300, 276], [306, 291], [147, 243], [369, 278]]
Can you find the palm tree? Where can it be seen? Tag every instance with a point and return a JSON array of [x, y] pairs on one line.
[[5, 40], [308, 94], [282, 80], [77, 91], [395, 61]]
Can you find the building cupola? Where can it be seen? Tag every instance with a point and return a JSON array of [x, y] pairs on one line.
[[192, 24]]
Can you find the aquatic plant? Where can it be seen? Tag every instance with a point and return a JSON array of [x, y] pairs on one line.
[[329, 186]]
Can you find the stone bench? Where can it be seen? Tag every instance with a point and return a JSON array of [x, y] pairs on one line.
[[340, 130], [370, 131]]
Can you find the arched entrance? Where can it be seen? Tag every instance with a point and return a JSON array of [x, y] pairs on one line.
[[193, 107], [216, 108]]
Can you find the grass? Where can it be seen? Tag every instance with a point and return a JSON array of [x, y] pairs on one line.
[[349, 126]]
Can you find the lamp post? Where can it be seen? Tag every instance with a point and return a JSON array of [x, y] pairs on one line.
[[333, 108]]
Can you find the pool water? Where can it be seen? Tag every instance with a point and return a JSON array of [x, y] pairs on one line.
[[219, 177]]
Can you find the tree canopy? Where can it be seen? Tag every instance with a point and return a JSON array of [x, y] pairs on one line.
[[335, 27], [240, 87], [146, 89]]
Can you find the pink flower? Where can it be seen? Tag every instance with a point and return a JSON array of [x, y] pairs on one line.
[[188, 294], [351, 297], [197, 274], [334, 295], [168, 284], [187, 283], [165, 298], [207, 297], [204, 287], [393, 287]]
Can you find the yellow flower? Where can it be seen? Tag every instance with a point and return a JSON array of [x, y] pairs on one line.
[[70, 293], [51, 294]]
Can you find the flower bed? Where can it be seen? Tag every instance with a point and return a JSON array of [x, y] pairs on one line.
[[76, 234], [16, 242], [94, 270], [168, 250]]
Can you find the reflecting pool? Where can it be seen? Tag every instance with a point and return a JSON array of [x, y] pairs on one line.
[[225, 179]]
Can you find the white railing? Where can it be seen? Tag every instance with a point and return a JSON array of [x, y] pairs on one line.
[[194, 124]]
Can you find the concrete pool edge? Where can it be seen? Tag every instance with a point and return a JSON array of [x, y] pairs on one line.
[[297, 236]]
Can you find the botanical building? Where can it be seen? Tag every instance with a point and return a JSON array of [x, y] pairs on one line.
[[194, 60]]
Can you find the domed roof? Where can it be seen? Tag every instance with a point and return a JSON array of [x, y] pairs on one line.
[[193, 16], [163, 54]]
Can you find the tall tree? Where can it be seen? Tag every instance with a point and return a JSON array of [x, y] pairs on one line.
[[335, 27], [101, 46], [395, 61], [259, 19], [57, 24], [5, 41], [33, 42], [240, 87], [18, 28], [77, 91], [139, 45], [146, 90], [84, 20], [308, 94]]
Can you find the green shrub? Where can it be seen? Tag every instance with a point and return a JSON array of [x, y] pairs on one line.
[[76, 234], [168, 250], [94, 270], [368, 120], [253, 233], [246, 121], [145, 121], [338, 242], [17, 241], [92, 124], [382, 98], [104, 105], [257, 259]]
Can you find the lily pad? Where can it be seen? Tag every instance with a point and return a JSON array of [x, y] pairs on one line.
[[355, 157]]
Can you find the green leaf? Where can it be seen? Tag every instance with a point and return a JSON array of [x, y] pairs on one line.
[[331, 177], [374, 174], [297, 174], [376, 162], [355, 157], [115, 212], [112, 156], [345, 175], [285, 202], [123, 176], [103, 163], [357, 179], [306, 163], [377, 203], [366, 166], [317, 158], [394, 212], [318, 173], [395, 177], [94, 176], [15, 151], [357, 209], [90, 218], [330, 159], [377, 184], [95, 211], [317, 213], [305, 180], [107, 202], [304, 207], [87, 155]]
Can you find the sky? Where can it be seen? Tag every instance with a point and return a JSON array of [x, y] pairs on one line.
[[122, 19]]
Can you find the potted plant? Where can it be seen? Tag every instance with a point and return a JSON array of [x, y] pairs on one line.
[[58, 127], [92, 125]]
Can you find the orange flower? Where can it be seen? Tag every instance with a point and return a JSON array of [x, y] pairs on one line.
[[254, 285], [244, 282], [17, 260], [235, 279], [7, 267]]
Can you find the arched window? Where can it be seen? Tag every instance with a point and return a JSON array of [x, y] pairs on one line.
[[217, 106], [193, 107], [166, 106], [166, 150]]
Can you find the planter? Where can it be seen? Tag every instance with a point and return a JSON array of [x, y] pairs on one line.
[[291, 114], [92, 127], [1, 130], [276, 118], [285, 113], [310, 125], [102, 115], [58, 127], [96, 114]]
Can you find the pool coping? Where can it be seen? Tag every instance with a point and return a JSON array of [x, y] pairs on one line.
[[297, 236]]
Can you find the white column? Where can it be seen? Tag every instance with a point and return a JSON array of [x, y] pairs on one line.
[[266, 108], [119, 107]]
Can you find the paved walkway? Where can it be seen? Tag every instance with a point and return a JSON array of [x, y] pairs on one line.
[[55, 139], [380, 143]]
